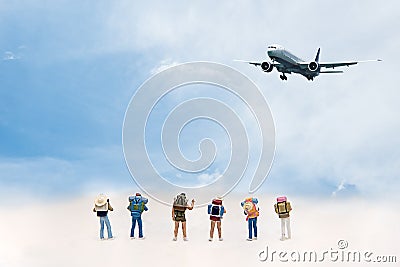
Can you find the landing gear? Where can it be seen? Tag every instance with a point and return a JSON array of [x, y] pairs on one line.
[[283, 77]]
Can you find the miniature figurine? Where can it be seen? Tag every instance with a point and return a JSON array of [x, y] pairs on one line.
[[102, 206], [251, 210], [283, 208], [216, 211], [178, 214], [137, 204]]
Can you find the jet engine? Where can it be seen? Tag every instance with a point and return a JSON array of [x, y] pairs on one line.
[[266, 66], [313, 66]]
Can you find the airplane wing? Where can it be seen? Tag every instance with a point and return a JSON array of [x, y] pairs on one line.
[[255, 62], [336, 64], [341, 64], [331, 71]]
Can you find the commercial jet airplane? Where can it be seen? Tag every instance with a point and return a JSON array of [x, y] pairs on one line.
[[286, 62]]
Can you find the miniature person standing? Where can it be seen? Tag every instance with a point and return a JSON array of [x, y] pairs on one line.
[[137, 204], [102, 206], [252, 212], [283, 208], [216, 211], [178, 214]]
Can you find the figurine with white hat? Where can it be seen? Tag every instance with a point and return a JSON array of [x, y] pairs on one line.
[[102, 206]]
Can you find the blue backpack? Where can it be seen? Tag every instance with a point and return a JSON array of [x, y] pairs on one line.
[[137, 204]]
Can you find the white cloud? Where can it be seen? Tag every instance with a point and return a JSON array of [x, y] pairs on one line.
[[163, 65], [94, 169], [207, 178], [9, 56], [340, 187]]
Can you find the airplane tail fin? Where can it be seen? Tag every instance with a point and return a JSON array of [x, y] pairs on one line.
[[317, 56]]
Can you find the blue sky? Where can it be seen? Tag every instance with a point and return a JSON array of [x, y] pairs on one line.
[[68, 71]]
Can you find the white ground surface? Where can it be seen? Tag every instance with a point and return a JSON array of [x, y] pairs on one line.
[[66, 234]]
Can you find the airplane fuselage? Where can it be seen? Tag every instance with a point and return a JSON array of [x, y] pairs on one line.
[[288, 62]]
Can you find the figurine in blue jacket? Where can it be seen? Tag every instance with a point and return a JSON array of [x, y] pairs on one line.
[[137, 204]]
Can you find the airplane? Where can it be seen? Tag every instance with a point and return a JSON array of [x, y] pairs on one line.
[[286, 63]]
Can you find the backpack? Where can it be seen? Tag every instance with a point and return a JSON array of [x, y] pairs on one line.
[[101, 208], [216, 209], [250, 209], [136, 205], [180, 201], [132, 198], [282, 208]]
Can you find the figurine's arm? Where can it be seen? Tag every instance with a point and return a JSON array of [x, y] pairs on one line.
[[109, 206], [191, 207]]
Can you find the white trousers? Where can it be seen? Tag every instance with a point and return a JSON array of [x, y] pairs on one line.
[[286, 222]]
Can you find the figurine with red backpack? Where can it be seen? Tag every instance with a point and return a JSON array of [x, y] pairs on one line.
[[216, 211], [251, 210]]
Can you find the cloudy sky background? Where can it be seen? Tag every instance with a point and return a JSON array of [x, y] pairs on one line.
[[68, 71]]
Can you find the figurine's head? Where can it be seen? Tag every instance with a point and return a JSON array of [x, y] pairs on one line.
[[100, 200]]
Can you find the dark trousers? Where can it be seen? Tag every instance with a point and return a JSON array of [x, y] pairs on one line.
[[139, 222], [252, 226]]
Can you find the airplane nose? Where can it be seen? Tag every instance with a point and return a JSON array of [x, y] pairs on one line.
[[272, 50]]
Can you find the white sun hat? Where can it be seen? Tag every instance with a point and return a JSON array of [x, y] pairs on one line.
[[100, 200]]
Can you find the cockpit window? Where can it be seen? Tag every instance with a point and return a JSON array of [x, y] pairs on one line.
[[271, 46]]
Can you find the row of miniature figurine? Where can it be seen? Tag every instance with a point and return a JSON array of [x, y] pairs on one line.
[[137, 205]]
